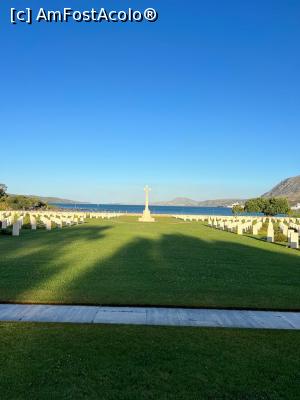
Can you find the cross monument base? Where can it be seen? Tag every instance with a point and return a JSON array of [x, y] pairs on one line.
[[146, 217]]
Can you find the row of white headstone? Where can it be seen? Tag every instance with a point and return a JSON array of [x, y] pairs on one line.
[[17, 221], [47, 219], [290, 227], [103, 215]]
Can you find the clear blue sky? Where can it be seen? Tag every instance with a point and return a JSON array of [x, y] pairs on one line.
[[203, 103]]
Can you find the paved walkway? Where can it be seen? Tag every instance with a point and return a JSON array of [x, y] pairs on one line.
[[150, 316]]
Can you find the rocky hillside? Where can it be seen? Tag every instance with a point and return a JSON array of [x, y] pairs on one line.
[[289, 188], [52, 200]]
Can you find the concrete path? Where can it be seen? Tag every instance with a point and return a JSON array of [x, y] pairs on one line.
[[150, 316]]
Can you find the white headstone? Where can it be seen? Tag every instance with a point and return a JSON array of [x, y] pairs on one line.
[[16, 229], [270, 233], [294, 240]]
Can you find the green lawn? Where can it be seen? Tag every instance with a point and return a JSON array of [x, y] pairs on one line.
[[60, 361], [164, 263]]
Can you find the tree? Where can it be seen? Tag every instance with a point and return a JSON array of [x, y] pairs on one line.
[[277, 206], [3, 189], [268, 206], [18, 202], [237, 209], [24, 203], [255, 205]]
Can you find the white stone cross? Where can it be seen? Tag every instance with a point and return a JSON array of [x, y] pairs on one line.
[[146, 217], [147, 190]]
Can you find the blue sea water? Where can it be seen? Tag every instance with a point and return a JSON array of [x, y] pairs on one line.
[[134, 209]]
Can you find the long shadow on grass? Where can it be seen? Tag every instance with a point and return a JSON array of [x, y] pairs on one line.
[[174, 270], [116, 362], [35, 258]]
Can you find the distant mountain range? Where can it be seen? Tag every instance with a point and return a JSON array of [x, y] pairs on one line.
[[52, 200], [289, 188], [186, 202], [59, 200]]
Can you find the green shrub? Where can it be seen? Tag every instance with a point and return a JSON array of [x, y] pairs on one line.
[[268, 206], [279, 236], [26, 222]]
